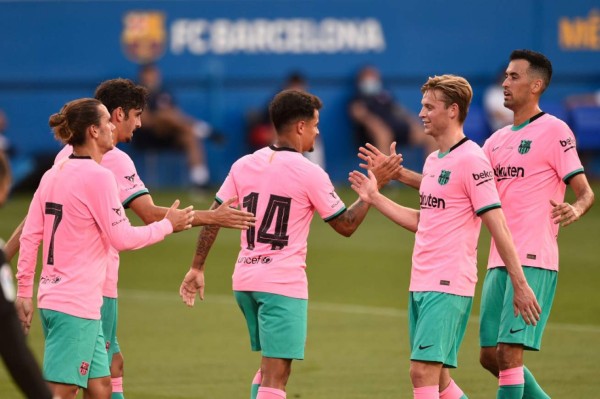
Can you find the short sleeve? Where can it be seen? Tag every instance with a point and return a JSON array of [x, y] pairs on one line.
[[129, 184], [479, 183], [565, 159], [322, 195], [228, 189]]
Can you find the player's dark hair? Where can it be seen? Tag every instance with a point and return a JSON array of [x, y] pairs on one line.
[[115, 93], [290, 106], [538, 64], [71, 123]]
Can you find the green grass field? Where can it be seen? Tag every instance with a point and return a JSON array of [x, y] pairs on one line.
[[357, 342]]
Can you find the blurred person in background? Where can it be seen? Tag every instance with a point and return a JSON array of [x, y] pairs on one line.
[[379, 119], [165, 126], [497, 114], [261, 132], [17, 357]]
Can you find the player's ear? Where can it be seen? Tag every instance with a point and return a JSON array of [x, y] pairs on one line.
[[300, 125], [537, 86], [118, 114]]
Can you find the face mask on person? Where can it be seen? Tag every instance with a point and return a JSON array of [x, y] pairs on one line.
[[370, 87]]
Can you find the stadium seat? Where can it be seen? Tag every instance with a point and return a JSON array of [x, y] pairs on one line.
[[585, 122], [476, 126]]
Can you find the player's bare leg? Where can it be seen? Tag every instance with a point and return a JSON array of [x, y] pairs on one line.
[[116, 376], [275, 374]]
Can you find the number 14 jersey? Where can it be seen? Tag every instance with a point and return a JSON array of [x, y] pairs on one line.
[[283, 189]]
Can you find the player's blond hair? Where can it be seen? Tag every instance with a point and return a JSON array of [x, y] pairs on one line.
[[455, 90]]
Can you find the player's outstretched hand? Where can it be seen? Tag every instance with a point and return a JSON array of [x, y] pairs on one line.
[[181, 219], [365, 187], [526, 305], [192, 283], [387, 170], [24, 308], [564, 213], [226, 216], [370, 152]]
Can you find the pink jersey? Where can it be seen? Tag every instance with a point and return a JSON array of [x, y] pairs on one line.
[[77, 213], [532, 165], [457, 187], [283, 189], [130, 187]]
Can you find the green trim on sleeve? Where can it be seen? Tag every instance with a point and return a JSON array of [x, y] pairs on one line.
[[134, 196], [572, 174], [483, 210], [219, 200], [338, 213]]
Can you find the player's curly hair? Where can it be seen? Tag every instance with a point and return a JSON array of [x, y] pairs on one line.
[[115, 93], [290, 106], [455, 89]]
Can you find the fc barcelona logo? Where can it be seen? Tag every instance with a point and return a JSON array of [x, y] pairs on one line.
[[524, 147], [444, 177], [83, 369], [144, 36]]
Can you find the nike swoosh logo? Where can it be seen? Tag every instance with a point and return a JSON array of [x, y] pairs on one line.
[[495, 148], [421, 347], [516, 331]]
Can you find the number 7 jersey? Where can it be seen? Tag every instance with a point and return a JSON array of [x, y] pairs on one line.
[[283, 189]]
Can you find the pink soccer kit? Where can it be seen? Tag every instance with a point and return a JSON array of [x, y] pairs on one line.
[[130, 187], [77, 213], [457, 187], [283, 189], [532, 165]]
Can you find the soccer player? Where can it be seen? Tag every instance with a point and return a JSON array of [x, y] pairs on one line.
[[14, 351], [533, 160], [457, 193], [77, 213], [125, 102], [283, 189]]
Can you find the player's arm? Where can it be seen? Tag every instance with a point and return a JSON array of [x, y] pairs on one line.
[[565, 213], [12, 245], [524, 300], [348, 221], [366, 188], [193, 282], [370, 153], [223, 216]]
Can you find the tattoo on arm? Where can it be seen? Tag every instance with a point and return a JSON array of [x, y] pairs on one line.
[[350, 216], [206, 239]]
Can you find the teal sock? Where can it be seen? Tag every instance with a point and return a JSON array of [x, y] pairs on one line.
[[255, 384], [532, 388], [117, 395], [254, 391], [510, 392]]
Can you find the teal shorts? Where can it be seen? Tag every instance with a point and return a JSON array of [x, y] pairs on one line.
[[74, 350], [109, 314], [498, 323], [437, 323], [276, 323]]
